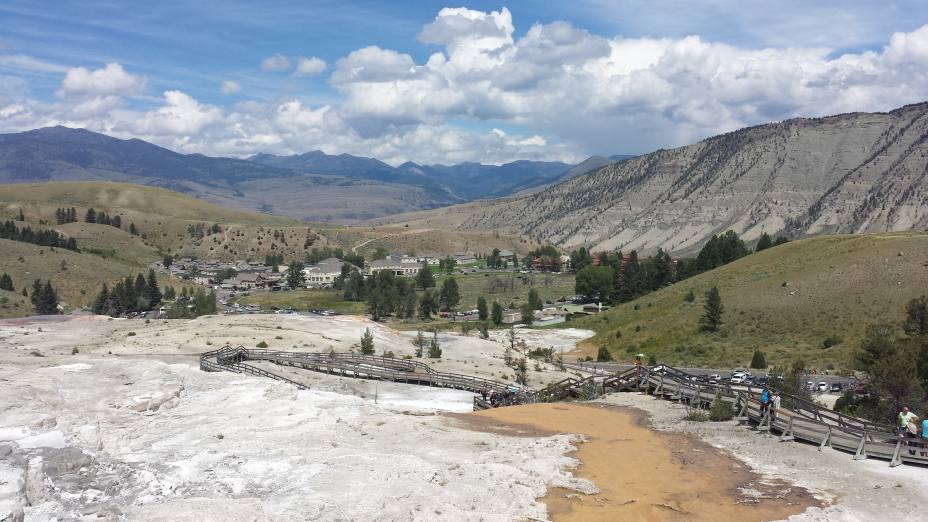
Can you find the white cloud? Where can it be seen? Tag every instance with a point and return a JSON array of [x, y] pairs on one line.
[[29, 63], [230, 87], [569, 93], [110, 80], [278, 62], [309, 66]]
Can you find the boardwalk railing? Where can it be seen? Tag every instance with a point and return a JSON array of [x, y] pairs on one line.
[[349, 365], [797, 419]]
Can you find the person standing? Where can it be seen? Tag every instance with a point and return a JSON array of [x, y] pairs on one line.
[[775, 405], [764, 400], [908, 426]]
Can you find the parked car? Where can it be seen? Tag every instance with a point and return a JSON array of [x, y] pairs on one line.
[[837, 387], [761, 381], [822, 386], [810, 385], [737, 379], [860, 388]]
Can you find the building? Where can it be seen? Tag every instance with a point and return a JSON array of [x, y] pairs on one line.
[[464, 258], [506, 255], [324, 272], [247, 281], [394, 264]]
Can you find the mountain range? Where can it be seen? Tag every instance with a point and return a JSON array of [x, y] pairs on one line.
[[313, 186], [850, 173]]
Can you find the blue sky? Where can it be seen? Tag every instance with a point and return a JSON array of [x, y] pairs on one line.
[[525, 79]]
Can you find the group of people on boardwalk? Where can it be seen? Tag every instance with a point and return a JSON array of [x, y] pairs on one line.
[[509, 397], [769, 402], [911, 430]]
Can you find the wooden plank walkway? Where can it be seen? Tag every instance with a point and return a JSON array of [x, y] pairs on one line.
[[798, 418]]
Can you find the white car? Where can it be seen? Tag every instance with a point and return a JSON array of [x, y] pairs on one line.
[[822, 386], [738, 379]]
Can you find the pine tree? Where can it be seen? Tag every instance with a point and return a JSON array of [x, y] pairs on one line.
[[154, 293], [132, 230], [47, 303], [22, 217], [763, 243], [534, 301], [450, 296], [295, 276], [427, 305], [482, 313], [758, 361], [497, 315], [6, 282], [90, 216], [425, 279], [419, 342], [102, 300], [528, 314], [36, 293], [916, 321], [711, 319], [367, 342], [434, 347]]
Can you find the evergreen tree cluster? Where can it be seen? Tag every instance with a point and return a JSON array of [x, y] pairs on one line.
[[549, 259], [388, 295], [49, 238], [190, 306], [139, 294], [44, 298], [102, 218], [66, 215], [318, 254], [6, 282], [765, 242]]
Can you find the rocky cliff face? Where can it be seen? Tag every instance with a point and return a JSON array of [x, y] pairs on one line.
[[851, 173]]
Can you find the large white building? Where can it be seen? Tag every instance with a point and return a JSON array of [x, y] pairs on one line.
[[324, 272], [401, 266]]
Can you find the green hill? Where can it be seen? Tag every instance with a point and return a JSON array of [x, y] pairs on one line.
[[784, 301]]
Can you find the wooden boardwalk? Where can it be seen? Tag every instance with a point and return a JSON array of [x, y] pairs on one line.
[[798, 419]]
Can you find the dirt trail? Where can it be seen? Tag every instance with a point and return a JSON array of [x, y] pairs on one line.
[[644, 474]]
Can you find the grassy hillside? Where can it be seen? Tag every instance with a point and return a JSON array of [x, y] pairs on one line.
[[785, 301], [472, 286], [163, 218], [76, 276]]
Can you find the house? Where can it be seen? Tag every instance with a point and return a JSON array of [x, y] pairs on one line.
[[464, 258], [394, 264], [506, 255], [247, 281], [324, 272]]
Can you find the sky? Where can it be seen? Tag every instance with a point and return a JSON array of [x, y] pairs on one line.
[[444, 83]]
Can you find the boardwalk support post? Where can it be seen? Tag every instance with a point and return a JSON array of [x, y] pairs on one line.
[[897, 455], [861, 453], [764, 421], [788, 434], [826, 440]]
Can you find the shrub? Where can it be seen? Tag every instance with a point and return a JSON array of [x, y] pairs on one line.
[[721, 410], [758, 361], [603, 355], [130, 334], [220, 436], [262, 344], [278, 337], [697, 416], [690, 297], [618, 334], [831, 340], [74, 351]]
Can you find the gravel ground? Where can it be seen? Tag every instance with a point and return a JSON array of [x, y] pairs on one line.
[[856, 490]]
